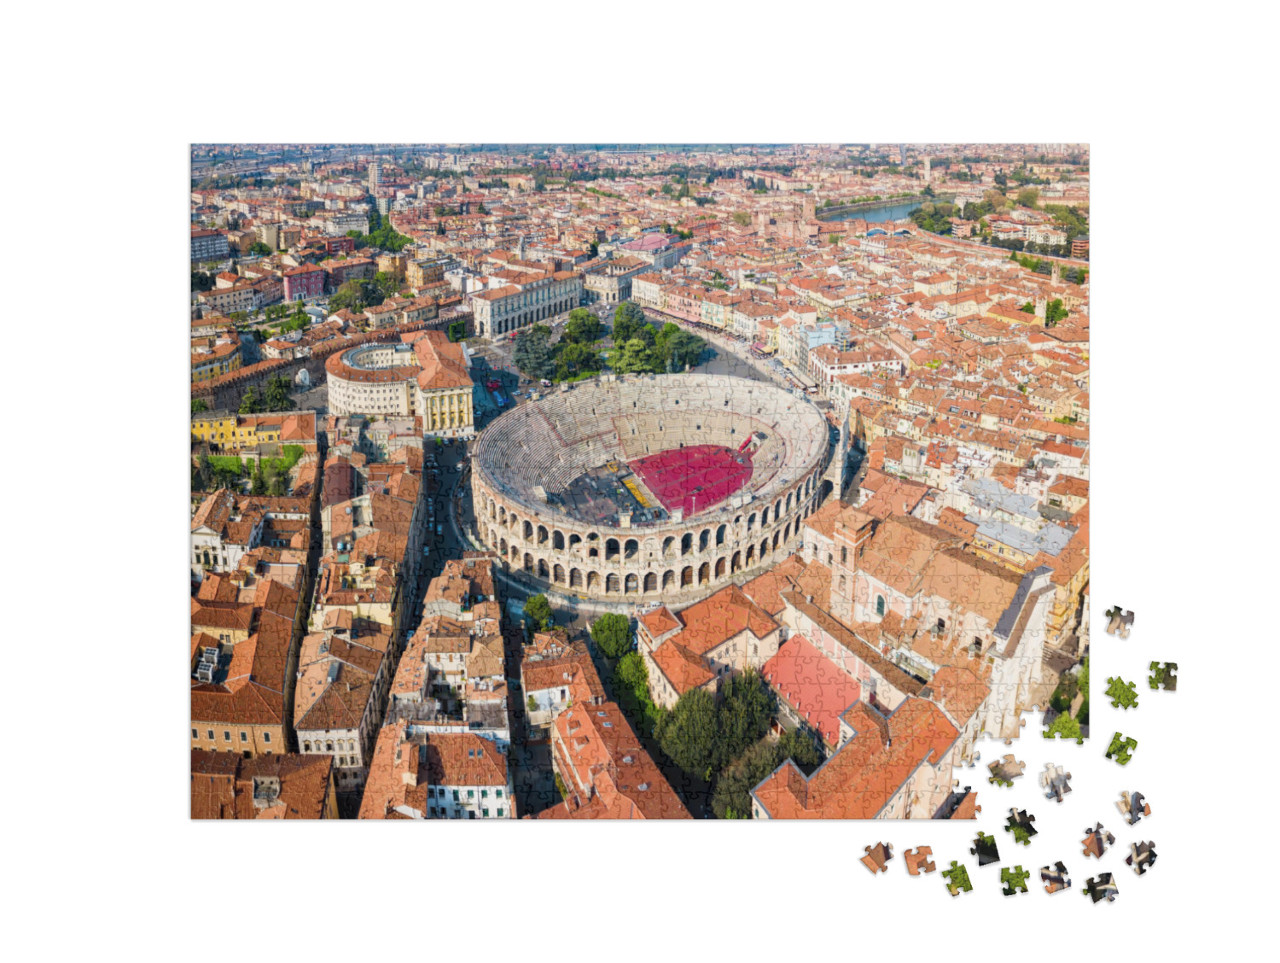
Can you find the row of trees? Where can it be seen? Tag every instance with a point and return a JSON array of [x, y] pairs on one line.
[[935, 217], [574, 356]]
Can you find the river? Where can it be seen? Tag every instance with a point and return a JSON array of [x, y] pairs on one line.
[[877, 215]]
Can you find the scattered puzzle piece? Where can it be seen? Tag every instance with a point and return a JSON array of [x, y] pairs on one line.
[[1142, 856], [1055, 782], [1005, 770], [984, 847], [1121, 748], [877, 857], [1163, 674], [1014, 880], [957, 879], [1119, 621], [1096, 841], [1101, 887], [918, 860], [1133, 806], [1122, 694], [1055, 877], [1019, 824]]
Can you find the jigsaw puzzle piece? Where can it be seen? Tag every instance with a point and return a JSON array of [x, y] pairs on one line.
[[877, 857], [1121, 749], [1005, 770], [1015, 880], [1055, 877], [1119, 621], [1163, 675], [1019, 825], [1056, 783], [918, 860], [1133, 806], [1101, 887], [957, 879], [1142, 856], [984, 847], [1096, 841], [1122, 694]]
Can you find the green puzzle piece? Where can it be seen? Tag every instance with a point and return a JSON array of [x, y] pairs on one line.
[[1163, 674], [1122, 693], [959, 879], [1014, 879], [1121, 749]]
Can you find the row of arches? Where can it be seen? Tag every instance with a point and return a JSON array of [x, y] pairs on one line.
[[573, 577], [610, 549], [534, 315]]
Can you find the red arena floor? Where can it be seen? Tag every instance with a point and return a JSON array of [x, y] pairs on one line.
[[695, 478]]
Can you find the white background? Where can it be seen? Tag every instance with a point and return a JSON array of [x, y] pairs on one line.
[[103, 103]]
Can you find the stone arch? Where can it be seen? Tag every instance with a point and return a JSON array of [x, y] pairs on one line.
[[575, 578], [528, 530], [788, 501], [543, 535], [668, 579], [610, 549], [650, 582], [722, 564], [528, 562], [786, 533], [720, 532], [493, 511], [502, 548], [764, 517], [574, 541], [764, 546], [667, 545], [686, 576], [827, 488], [611, 582], [777, 537], [704, 573], [502, 515], [630, 548], [631, 584], [686, 544], [751, 522], [751, 554], [593, 581], [557, 540], [593, 545], [777, 510], [735, 564], [704, 540], [543, 571]]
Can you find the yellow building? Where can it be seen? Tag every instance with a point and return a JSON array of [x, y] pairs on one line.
[[210, 360], [231, 432]]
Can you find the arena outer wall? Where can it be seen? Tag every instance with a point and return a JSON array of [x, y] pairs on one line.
[[550, 441]]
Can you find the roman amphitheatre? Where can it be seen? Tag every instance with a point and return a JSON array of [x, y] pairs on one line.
[[640, 487]]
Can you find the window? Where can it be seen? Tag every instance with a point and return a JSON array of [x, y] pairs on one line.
[[484, 794], [244, 737], [844, 555], [226, 735], [484, 812], [210, 735], [455, 795], [471, 794], [879, 605], [266, 737], [499, 813], [194, 734], [498, 793]]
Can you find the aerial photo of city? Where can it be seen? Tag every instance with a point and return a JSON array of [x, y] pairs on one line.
[[634, 481]]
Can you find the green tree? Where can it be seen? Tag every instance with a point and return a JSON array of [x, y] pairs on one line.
[[741, 218], [250, 402], [688, 734], [537, 613], [634, 356], [199, 404], [386, 283], [833, 238], [582, 327], [612, 634], [744, 713], [200, 281], [277, 394], [258, 248], [532, 353], [732, 795], [204, 473], [628, 318], [1028, 197], [1054, 313]]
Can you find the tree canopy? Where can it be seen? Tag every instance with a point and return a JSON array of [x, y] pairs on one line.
[[537, 613], [732, 796], [700, 735], [612, 634]]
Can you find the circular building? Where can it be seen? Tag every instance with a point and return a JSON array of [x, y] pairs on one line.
[[645, 487]]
